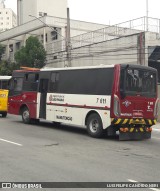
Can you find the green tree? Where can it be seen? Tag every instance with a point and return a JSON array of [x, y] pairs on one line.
[[6, 68], [2, 50], [32, 55]]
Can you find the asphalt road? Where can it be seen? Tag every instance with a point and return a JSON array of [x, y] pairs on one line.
[[46, 153]]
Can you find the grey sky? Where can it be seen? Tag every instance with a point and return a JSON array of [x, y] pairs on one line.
[[107, 11]]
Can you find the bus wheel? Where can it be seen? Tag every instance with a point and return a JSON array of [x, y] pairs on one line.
[[26, 116], [94, 126], [4, 114]]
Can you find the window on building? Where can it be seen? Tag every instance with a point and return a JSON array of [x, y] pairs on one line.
[[46, 36], [18, 45], [54, 34], [41, 38], [11, 47]]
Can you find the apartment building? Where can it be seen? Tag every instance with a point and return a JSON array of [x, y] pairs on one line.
[[8, 18], [38, 8]]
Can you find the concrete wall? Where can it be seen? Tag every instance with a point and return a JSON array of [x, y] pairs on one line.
[[115, 51]]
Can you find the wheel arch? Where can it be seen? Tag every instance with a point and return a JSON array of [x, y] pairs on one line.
[[91, 112], [22, 107]]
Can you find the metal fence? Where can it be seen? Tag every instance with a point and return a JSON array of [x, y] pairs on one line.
[[108, 33], [131, 27]]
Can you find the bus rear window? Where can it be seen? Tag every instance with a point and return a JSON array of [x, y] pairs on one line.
[[138, 81], [16, 84]]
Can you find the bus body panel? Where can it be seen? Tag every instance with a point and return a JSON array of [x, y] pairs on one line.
[[138, 108], [27, 99], [76, 107], [73, 109]]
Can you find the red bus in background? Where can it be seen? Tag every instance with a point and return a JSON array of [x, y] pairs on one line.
[[23, 92], [104, 99]]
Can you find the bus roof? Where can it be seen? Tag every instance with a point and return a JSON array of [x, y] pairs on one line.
[[78, 68], [5, 77], [97, 66]]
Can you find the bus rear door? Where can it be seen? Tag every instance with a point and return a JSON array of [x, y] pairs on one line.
[[43, 88]]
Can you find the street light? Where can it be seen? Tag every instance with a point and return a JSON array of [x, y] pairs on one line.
[[67, 40]]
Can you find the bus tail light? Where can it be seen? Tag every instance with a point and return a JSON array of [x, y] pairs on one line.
[[124, 130], [149, 129], [156, 108], [116, 108]]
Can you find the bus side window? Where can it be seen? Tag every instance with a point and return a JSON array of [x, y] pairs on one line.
[[54, 82], [26, 77], [43, 85], [17, 84], [36, 77], [5, 84]]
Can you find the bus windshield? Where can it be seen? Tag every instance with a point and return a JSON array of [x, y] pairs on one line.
[[137, 81]]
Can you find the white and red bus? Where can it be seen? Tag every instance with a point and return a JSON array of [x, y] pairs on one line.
[[103, 98]]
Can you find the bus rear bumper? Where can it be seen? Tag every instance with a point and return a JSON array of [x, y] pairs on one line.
[[124, 136]]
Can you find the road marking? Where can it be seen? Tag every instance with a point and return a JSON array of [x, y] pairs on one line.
[[11, 142], [155, 189], [130, 180]]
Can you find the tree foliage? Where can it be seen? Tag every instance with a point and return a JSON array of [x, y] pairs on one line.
[[2, 50], [6, 68], [32, 55]]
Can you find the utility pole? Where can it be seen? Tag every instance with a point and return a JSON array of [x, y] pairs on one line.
[[68, 40], [146, 15]]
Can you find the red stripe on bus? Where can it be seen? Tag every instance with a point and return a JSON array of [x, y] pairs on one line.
[[79, 106]]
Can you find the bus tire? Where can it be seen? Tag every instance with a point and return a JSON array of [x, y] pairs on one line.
[[4, 114], [94, 126], [26, 116]]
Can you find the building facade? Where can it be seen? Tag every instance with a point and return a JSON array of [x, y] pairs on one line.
[[39, 8], [131, 42], [48, 29], [8, 18]]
